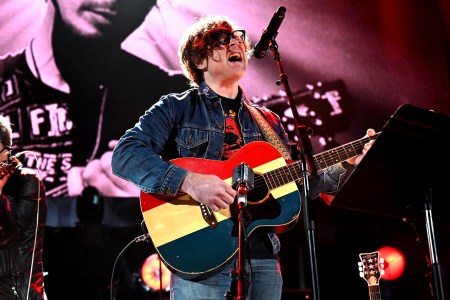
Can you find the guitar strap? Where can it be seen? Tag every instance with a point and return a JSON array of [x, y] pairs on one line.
[[267, 130]]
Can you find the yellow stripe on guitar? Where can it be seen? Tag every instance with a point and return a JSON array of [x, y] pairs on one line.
[[181, 217], [281, 190], [176, 219]]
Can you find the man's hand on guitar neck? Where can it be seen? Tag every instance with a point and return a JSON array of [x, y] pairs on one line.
[[356, 160], [209, 190], [328, 198]]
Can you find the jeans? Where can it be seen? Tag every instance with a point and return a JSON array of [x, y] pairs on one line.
[[264, 275]]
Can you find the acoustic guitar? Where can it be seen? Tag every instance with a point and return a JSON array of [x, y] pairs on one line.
[[194, 242]]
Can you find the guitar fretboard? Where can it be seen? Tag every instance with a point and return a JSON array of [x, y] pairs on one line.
[[293, 172], [374, 292]]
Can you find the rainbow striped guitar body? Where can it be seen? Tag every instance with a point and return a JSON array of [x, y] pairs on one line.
[[195, 242], [193, 248]]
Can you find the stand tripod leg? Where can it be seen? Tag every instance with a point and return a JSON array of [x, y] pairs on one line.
[[436, 271]]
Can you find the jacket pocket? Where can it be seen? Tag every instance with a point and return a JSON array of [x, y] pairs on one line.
[[191, 142]]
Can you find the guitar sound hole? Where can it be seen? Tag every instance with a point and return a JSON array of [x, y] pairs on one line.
[[259, 192], [260, 204]]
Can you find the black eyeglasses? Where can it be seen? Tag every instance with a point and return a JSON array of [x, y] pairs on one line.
[[224, 38]]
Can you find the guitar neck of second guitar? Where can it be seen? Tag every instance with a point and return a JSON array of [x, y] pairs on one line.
[[374, 292]]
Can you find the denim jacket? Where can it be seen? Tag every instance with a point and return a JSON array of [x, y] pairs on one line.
[[191, 124]]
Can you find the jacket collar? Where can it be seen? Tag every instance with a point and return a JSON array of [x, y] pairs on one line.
[[204, 89]]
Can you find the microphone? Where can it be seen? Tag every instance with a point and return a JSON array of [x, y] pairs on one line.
[[242, 175], [242, 182], [271, 31]]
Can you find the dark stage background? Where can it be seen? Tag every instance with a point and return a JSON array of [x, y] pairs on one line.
[[350, 64]]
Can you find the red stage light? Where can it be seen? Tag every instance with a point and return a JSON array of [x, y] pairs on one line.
[[394, 262], [152, 271]]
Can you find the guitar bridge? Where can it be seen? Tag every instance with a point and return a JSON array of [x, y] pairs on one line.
[[208, 216]]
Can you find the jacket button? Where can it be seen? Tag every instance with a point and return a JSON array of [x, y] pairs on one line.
[[220, 126], [216, 104], [189, 140], [168, 191], [216, 153]]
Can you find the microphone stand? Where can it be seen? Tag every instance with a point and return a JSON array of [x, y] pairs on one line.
[[436, 271], [238, 286], [240, 272], [304, 148]]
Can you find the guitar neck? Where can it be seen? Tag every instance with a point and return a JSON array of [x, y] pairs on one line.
[[374, 292], [342, 153], [322, 161]]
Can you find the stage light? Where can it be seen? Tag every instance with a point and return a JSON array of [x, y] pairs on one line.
[[155, 274], [394, 262]]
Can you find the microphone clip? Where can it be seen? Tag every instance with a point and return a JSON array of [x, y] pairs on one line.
[[243, 181], [242, 196]]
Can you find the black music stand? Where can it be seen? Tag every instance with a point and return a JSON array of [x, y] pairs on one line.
[[409, 160]]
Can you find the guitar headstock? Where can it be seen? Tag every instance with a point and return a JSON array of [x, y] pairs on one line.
[[371, 267]]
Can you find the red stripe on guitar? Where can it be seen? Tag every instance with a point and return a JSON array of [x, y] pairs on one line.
[[260, 154], [148, 202], [223, 169]]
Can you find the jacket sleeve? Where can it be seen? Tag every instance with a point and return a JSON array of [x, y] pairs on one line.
[[8, 226], [18, 206], [136, 157]]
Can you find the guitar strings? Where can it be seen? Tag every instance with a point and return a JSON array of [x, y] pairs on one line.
[[285, 174]]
